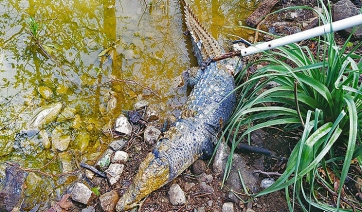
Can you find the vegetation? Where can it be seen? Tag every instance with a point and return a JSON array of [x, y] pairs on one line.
[[319, 95]]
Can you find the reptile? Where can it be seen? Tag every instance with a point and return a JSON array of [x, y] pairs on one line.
[[209, 105]]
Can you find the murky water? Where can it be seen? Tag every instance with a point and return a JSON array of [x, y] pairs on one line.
[[96, 58]]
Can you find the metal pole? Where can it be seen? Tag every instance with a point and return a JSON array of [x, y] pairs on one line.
[[317, 31]]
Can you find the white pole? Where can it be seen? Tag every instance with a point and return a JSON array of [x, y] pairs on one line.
[[336, 26]]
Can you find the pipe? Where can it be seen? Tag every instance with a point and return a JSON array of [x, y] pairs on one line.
[[317, 31]]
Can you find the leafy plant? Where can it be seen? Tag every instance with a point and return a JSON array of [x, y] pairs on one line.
[[320, 94], [33, 27]]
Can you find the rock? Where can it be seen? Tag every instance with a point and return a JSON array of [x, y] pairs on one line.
[[109, 200], [12, 191], [176, 195], [201, 209], [267, 182], [45, 92], [114, 172], [66, 161], [122, 125], [209, 203], [67, 114], [140, 105], [82, 140], [198, 167], [89, 209], [206, 188], [151, 114], [77, 122], [105, 159], [81, 193], [239, 163], [6, 144], [188, 186], [344, 9], [45, 115], [221, 156], [118, 144], [151, 134], [228, 207], [61, 143], [120, 157], [32, 180], [263, 9], [45, 138]]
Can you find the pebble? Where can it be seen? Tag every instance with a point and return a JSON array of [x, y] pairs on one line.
[[45, 138], [198, 167], [89, 209], [176, 195], [117, 144], [81, 193], [120, 157], [140, 105], [105, 159], [122, 125], [210, 202], [188, 186], [266, 183], [109, 200], [151, 134], [200, 209], [206, 188], [66, 162], [61, 143], [151, 114], [114, 172], [228, 207], [220, 156]]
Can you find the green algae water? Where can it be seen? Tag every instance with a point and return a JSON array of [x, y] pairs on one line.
[[93, 60]]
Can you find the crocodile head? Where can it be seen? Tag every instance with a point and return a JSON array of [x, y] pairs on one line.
[[153, 173]]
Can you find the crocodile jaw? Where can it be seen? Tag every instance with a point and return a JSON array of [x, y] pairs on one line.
[[153, 173]]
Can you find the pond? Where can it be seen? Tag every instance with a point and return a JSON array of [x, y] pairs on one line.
[[91, 60]]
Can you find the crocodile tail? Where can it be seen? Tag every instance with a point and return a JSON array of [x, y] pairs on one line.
[[204, 45]]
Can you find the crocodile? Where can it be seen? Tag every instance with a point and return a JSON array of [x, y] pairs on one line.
[[209, 105]]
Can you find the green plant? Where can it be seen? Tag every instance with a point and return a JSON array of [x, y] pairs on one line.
[[320, 94], [33, 27]]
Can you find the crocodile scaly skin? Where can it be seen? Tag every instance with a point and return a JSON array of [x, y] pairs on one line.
[[210, 104]]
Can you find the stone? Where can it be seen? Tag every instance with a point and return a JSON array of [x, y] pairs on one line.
[[105, 159], [176, 195], [67, 114], [66, 161], [151, 134], [45, 115], [61, 143], [82, 140], [45, 92], [89, 209], [81, 193], [228, 207], [141, 105], [221, 156], [151, 114], [12, 192], [198, 167], [201, 209], [45, 138], [117, 144], [114, 172], [210, 203], [6, 144], [109, 200], [345, 9], [188, 186], [120, 157], [206, 188], [263, 9], [122, 125], [267, 182]]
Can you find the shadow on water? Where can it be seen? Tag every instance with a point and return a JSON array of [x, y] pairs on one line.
[[81, 56]]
